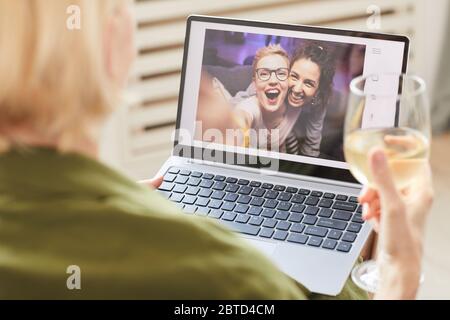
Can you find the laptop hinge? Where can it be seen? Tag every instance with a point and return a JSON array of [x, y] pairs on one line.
[[274, 173]]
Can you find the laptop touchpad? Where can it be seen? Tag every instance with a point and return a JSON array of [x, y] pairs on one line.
[[266, 248]]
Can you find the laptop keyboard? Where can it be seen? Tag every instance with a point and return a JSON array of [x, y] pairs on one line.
[[282, 213]]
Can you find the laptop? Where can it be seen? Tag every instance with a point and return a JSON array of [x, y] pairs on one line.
[[296, 203]]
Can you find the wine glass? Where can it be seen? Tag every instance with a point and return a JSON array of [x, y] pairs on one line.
[[389, 111]]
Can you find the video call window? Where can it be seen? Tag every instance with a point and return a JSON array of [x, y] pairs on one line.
[[294, 91]]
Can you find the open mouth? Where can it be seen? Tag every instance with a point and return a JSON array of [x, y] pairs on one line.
[[272, 95], [297, 97]]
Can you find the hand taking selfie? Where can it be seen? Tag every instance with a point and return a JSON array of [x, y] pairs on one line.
[[399, 217]]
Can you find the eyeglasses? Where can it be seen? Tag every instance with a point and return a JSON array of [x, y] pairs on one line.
[[264, 74]]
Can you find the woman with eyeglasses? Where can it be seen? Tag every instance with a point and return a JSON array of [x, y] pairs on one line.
[[266, 112]]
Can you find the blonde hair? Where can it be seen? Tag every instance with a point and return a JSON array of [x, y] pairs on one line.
[[52, 77], [273, 49]]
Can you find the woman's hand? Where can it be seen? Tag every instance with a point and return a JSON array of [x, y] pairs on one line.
[[399, 217], [153, 183]]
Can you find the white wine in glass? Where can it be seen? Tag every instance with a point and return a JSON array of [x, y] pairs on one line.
[[390, 112], [406, 150]]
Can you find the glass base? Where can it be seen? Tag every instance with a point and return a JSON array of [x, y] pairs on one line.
[[366, 276]]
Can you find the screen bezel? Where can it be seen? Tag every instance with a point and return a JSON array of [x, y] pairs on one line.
[[286, 166]]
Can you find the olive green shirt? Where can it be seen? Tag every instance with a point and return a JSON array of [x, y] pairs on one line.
[[125, 241]]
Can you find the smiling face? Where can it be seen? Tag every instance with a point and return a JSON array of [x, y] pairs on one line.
[[271, 93], [304, 80]]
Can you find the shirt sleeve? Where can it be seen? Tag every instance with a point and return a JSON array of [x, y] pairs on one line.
[[221, 265], [243, 95], [246, 274], [250, 107]]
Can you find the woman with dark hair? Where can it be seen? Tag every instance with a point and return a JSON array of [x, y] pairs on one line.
[[311, 76], [313, 81]]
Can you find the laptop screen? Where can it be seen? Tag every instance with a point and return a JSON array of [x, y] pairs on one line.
[[273, 91]]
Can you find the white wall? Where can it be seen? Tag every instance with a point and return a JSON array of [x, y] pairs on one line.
[[431, 20]]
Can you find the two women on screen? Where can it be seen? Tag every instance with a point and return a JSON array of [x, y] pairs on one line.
[[284, 90]]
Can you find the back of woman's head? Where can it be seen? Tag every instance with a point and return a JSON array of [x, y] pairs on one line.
[[321, 55], [53, 80]]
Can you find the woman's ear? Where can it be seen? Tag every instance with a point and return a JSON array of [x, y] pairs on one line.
[[119, 46]]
